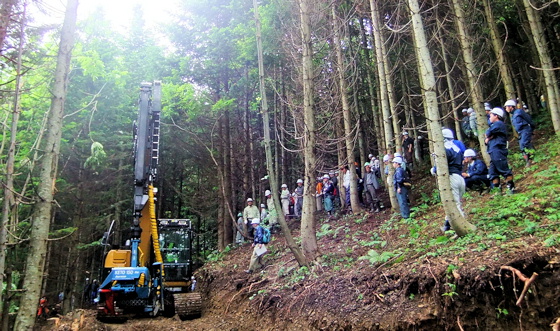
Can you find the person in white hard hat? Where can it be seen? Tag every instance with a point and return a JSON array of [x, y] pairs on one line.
[[476, 174], [496, 139], [256, 259], [454, 157], [399, 183], [272, 214], [299, 197], [251, 212], [524, 126], [371, 185], [285, 199]]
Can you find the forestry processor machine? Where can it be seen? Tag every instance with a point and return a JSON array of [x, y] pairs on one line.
[[152, 272]]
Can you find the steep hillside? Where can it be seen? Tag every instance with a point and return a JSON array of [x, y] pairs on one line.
[[379, 272]]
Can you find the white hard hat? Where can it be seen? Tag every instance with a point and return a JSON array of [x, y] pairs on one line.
[[405, 133], [370, 156], [266, 193], [447, 134], [510, 103], [325, 176], [385, 158], [470, 153], [284, 186], [255, 221], [470, 111], [498, 111], [299, 181], [249, 200], [398, 160], [397, 154], [367, 164], [487, 106], [465, 110], [262, 205]]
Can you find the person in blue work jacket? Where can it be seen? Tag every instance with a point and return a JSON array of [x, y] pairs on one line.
[[476, 174], [399, 180], [524, 125], [256, 258], [496, 140]]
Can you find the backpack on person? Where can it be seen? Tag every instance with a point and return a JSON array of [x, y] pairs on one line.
[[406, 182], [266, 235]]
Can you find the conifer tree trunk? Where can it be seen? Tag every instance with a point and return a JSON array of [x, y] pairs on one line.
[[390, 92], [308, 235], [347, 118], [377, 131], [222, 214], [472, 77], [386, 111], [272, 175], [552, 90], [9, 200], [451, 91], [428, 84], [498, 47], [41, 218], [6, 12], [228, 223]]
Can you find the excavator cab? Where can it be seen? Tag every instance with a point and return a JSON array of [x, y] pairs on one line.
[[175, 237]]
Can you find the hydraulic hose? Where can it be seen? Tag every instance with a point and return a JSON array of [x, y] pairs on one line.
[[153, 221]]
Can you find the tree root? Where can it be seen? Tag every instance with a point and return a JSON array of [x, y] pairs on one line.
[[524, 279], [248, 289], [459, 323]]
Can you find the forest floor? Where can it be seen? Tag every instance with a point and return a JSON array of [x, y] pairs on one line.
[[376, 271]]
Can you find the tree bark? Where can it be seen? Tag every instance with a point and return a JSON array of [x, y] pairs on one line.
[[377, 131], [428, 84], [347, 117], [228, 226], [6, 12], [451, 90], [386, 111], [41, 218], [472, 77], [222, 215], [308, 235], [498, 47], [8, 188], [272, 176], [552, 90]]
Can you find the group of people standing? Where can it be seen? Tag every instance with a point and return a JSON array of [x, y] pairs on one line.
[[466, 171]]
